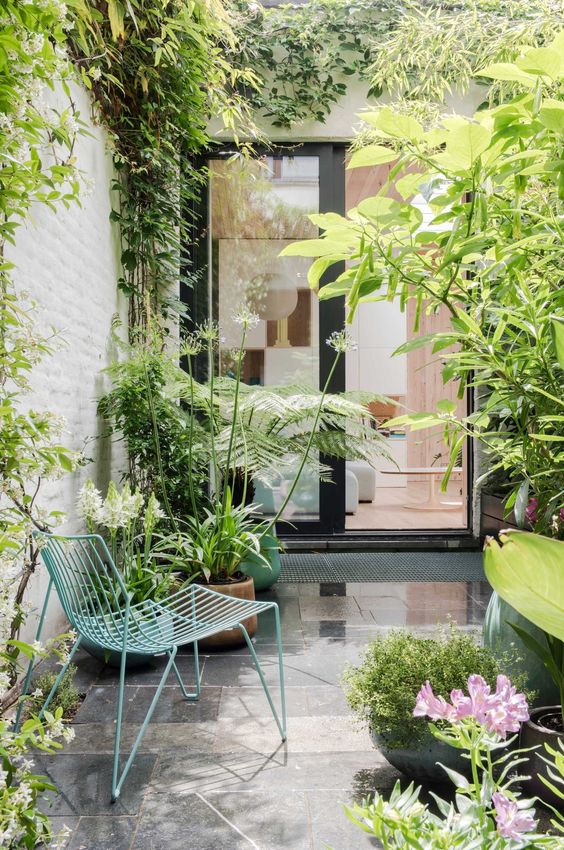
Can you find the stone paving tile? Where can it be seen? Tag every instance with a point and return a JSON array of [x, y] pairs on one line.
[[94, 738], [103, 833], [264, 821], [214, 775], [84, 783], [330, 825], [239, 703], [305, 735], [354, 774]]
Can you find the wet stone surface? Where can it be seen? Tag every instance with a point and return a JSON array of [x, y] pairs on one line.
[[214, 774]]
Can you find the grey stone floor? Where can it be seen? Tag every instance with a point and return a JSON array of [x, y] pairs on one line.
[[214, 774]]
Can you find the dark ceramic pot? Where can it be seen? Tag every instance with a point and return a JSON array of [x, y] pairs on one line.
[[263, 576], [536, 732], [422, 762], [499, 636]]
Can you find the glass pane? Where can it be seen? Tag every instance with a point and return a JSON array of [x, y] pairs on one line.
[[256, 208], [406, 496]]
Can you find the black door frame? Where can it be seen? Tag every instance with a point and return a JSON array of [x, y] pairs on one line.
[[329, 529]]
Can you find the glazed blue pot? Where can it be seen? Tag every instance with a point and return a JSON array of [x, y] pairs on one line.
[[263, 576], [501, 638]]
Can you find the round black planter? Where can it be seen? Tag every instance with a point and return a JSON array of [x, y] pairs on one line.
[[534, 733], [422, 762]]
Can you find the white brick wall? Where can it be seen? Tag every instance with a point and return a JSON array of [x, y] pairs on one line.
[[69, 262]]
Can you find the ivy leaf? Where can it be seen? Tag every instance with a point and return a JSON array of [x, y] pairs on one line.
[[371, 155]]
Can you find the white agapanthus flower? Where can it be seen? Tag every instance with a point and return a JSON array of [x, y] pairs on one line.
[[89, 502]]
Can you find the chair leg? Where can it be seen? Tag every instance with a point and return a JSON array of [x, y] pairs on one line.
[[118, 783], [185, 693], [281, 723], [27, 680]]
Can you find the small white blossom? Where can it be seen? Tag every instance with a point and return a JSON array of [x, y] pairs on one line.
[[341, 342]]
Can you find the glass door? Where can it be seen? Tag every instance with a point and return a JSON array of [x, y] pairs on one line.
[[255, 207]]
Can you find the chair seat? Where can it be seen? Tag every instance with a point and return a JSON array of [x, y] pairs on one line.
[[190, 614]]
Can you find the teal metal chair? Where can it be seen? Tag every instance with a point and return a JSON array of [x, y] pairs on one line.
[[99, 609]]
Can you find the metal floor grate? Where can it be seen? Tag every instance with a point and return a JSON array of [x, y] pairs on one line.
[[382, 566]]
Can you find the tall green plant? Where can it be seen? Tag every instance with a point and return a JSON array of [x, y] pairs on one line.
[[488, 254], [158, 73]]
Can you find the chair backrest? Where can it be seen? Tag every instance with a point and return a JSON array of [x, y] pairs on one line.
[[87, 581]]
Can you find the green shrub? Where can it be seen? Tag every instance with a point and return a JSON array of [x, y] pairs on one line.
[[382, 689], [67, 697]]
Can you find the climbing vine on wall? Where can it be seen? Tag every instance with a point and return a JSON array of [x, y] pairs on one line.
[[157, 71], [418, 50]]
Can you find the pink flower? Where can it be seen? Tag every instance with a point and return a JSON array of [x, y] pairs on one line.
[[531, 510], [561, 514], [507, 709], [476, 704], [500, 712], [512, 821], [429, 705]]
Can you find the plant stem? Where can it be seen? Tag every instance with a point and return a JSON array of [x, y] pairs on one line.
[[191, 441], [158, 449], [307, 449], [234, 417]]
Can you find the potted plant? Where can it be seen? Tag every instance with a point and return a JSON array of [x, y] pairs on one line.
[[212, 549], [484, 810], [527, 570], [380, 691], [128, 525]]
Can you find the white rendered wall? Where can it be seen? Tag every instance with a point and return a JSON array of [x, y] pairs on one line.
[[68, 262]]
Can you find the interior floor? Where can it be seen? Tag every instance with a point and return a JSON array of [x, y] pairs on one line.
[[398, 508]]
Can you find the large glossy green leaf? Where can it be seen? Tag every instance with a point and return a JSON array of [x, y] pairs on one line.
[[394, 124], [372, 155], [558, 339], [509, 72], [543, 60], [551, 114], [465, 144], [527, 570]]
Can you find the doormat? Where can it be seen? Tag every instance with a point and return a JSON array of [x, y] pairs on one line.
[[382, 566]]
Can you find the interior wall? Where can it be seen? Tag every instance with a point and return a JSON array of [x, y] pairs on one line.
[[68, 262]]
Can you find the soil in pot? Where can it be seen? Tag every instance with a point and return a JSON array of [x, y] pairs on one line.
[[543, 727], [244, 588], [420, 763]]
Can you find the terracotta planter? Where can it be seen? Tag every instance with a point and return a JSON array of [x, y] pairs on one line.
[[228, 638], [534, 733]]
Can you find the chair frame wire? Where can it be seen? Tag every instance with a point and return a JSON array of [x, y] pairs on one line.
[[85, 578]]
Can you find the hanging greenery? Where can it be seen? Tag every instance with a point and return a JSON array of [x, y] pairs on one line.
[[418, 51], [157, 71]]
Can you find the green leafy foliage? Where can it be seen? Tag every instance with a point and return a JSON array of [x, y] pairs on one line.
[[381, 689], [157, 71], [306, 54], [67, 698], [489, 256]]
